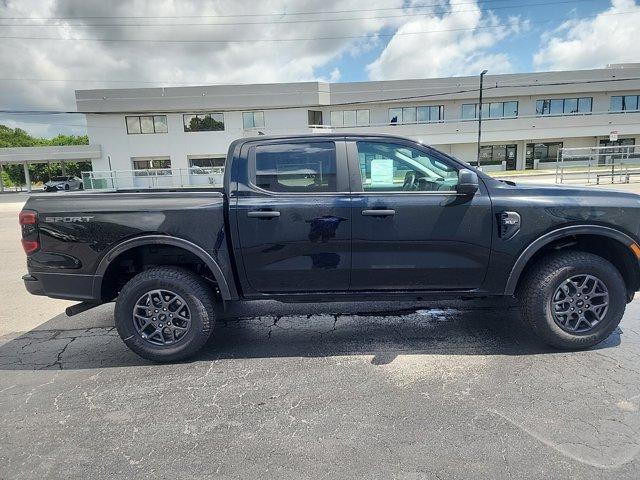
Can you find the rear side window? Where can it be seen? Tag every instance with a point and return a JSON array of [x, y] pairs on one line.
[[296, 167]]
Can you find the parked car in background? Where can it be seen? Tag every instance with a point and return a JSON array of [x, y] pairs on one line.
[[63, 183]]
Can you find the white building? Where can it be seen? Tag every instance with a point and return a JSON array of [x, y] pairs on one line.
[[526, 117]]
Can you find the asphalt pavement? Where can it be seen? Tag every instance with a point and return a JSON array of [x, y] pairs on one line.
[[441, 390]]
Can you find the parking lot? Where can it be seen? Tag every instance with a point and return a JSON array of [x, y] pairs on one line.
[[438, 390]]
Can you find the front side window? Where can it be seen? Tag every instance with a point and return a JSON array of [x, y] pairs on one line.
[[203, 122], [388, 167], [296, 167], [252, 119], [146, 124]]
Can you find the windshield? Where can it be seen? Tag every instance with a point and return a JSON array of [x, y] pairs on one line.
[[59, 179]]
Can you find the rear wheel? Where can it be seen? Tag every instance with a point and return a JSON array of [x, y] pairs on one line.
[[81, 187], [165, 314], [573, 300]]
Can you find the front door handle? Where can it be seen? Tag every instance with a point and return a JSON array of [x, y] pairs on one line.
[[378, 213], [263, 214]]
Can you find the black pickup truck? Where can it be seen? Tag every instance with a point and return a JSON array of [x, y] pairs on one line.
[[334, 218]]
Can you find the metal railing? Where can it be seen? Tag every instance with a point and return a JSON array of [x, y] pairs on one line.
[[154, 178], [614, 164]]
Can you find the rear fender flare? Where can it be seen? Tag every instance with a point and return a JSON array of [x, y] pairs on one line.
[[225, 290]]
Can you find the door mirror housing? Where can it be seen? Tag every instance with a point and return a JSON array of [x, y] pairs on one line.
[[467, 182]]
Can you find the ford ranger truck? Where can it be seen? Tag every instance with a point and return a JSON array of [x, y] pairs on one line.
[[335, 218]]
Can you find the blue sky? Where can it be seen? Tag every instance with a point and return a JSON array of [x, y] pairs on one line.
[[520, 47], [53, 47]]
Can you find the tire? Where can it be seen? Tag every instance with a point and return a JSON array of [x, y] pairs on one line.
[[189, 289], [81, 187], [66, 187], [542, 283]]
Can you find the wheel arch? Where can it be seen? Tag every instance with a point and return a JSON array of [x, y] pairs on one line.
[[148, 240], [628, 264]]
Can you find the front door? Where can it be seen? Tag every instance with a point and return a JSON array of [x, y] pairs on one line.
[[293, 217], [411, 230]]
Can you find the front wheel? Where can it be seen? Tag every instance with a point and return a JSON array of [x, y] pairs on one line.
[[573, 300], [165, 314]]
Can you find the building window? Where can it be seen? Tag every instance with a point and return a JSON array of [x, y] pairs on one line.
[[315, 117], [146, 124], [155, 165], [350, 118], [625, 103], [496, 154], [543, 152], [252, 119], [564, 106], [470, 111], [296, 167], [203, 122], [207, 162], [409, 115]]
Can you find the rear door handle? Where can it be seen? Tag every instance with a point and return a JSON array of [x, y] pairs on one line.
[[378, 213], [263, 214]]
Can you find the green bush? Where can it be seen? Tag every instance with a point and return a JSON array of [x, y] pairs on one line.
[[39, 172]]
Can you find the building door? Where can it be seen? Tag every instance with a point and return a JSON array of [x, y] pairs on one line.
[[512, 153], [543, 152]]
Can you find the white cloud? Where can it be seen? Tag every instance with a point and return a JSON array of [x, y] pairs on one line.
[[171, 63], [458, 45], [610, 37]]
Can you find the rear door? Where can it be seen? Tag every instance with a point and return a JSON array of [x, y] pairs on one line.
[[294, 217], [411, 229]]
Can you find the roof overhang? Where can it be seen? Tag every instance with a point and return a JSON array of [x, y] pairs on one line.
[[69, 153]]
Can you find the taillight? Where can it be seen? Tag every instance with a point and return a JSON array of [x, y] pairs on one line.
[[29, 225], [27, 217], [30, 246]]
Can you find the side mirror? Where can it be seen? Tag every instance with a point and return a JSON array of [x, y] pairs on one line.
[[467, 182]]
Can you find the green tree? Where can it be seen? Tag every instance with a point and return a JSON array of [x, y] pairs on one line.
[[16, 137]]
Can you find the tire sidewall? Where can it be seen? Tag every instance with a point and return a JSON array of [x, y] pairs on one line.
[[617, 302], [128, 298]]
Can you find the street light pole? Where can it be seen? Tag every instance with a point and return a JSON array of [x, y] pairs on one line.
[[482, 74]]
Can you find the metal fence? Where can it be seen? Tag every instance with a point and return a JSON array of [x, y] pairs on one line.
[[154, 178], [613, 164]]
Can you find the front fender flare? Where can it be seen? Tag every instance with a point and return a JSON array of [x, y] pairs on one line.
[[534, 247], [226, 291]]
